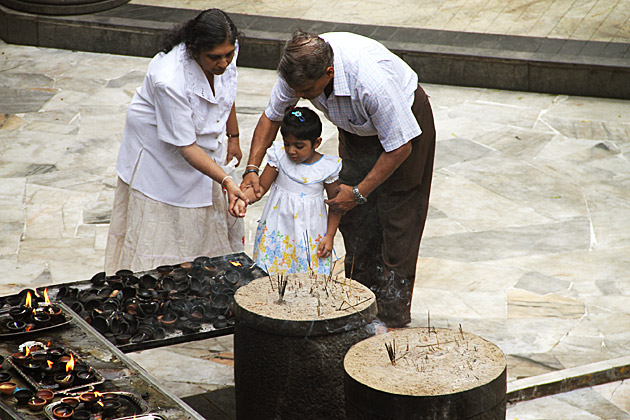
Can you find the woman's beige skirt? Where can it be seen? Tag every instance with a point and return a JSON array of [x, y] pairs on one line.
[[145, 233]]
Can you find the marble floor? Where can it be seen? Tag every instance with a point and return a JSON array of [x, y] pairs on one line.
[[526, 243], [585, 20]]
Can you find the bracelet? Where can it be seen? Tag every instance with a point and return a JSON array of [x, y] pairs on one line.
[[231, 136], [223, 180], [247, 171], [253, 166]]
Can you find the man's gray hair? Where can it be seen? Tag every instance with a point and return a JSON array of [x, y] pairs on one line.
[[305, 58]]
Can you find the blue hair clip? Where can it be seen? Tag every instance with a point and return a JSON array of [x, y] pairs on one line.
[[298, 115]]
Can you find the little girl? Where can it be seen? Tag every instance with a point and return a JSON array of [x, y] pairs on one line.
[[294, 234]]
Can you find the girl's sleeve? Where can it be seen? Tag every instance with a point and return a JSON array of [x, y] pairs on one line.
[[334, 175], [272, 155]]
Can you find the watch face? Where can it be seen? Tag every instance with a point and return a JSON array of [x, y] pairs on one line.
[[358, 198]]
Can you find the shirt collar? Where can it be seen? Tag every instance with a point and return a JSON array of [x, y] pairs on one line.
[[196, 79], [340, 83]]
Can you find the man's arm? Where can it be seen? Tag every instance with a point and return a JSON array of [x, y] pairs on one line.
[[384, 167], [264, 134]]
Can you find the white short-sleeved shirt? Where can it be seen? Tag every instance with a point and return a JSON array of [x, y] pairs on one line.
[[373, 91], [175, 106]]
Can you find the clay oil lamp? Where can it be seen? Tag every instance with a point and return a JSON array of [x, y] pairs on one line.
[[115, 282], [122, 338], [53, 311], [7, 388], [20, 358], [70, 401], [45, 394], [88, 398], [164, 270], [50, 369], [36, 403], [124, 273], [110, 407], [168, 319], [220, 322], [33, 368], [66, 379], [55, 353], [98, 279], [85, 376], [23, 395], [98, 408], [40, 319], [63, 412], [20, 313], [5, 377], [16, 326], [81, 415], [147, 281]]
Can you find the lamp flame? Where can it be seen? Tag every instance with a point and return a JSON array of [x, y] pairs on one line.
[[50, 364], [46, 299], [236, 263], [100, 403], [70, 364], [98, 394], [29, 300]]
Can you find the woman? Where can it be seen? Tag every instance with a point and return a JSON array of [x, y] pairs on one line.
[[181, 127]]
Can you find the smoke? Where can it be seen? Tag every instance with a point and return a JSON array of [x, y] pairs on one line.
[[376, 327]]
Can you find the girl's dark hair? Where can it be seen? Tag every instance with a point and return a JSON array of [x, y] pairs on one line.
[[210, 28], [305, 58], [302, 123]]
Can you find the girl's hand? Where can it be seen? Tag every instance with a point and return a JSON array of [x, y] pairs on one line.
[[240, 208], [234, 194], [325, 247]]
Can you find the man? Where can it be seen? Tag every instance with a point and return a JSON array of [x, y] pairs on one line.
[[387, 143]]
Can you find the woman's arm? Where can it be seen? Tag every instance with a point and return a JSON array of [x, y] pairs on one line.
[[231, 127], [199, 160], [324, 250]]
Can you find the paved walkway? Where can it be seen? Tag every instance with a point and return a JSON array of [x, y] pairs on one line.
[[528, 235], [587, 20]]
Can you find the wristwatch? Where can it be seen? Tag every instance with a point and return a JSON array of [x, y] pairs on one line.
[[358, 197]]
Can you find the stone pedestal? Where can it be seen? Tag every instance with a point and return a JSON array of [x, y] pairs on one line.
[[288, 354], [61, 7], [414, 373]]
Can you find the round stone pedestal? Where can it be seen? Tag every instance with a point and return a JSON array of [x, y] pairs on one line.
[[61, 7], [414, 373], [288, 353]]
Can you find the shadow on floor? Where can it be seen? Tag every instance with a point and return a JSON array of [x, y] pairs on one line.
[[219, 404]]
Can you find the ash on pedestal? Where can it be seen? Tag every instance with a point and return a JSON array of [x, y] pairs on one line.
[[425, 373], [290, 338]]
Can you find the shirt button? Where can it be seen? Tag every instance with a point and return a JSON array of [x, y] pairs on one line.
[[217, 121]]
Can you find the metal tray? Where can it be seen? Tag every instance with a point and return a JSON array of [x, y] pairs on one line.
[[98, 378], [141, 414], [4, 316]]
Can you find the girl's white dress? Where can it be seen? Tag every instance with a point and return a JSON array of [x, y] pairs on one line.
[[294, 219]]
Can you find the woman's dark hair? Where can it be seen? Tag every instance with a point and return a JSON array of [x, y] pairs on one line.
[[302, 123], [210, 28], [305, 58]]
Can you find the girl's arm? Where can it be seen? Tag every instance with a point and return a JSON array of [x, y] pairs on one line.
[[199, 160], [266, 181], [231, 128], [324, 250]]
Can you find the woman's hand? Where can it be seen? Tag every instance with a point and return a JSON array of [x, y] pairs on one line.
[[325, 247], [235, 194], [234, 150]]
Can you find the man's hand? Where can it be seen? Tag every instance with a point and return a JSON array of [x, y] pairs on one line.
[[234, 151], [343, 202], [251, 180]]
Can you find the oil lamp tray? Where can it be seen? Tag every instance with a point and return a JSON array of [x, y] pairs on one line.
[[5, 332], [98, 378], [138, 411]]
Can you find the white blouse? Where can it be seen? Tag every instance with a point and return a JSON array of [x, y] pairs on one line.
[[175, 107]]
